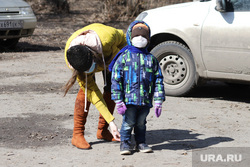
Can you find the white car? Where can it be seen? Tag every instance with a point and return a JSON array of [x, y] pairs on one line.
[[201, 40], [16, 20]]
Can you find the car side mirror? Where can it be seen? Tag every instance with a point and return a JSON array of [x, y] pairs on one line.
[[221, 5]]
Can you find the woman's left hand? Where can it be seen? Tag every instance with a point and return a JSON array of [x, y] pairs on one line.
[[114, 131]]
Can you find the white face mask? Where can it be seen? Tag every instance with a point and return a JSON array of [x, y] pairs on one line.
[[139, 42]]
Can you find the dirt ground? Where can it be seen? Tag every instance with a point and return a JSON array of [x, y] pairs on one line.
[[36, 121]]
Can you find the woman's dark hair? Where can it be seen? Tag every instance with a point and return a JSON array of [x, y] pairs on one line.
[[79, 57], [72, 81]]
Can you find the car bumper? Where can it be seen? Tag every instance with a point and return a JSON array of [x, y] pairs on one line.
[[29, 25]]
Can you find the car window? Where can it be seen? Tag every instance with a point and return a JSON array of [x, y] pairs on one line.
[[239, 5]]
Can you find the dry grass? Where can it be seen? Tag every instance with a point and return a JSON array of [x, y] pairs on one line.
[[108, 10]]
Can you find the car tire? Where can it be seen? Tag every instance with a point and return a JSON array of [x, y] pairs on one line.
[[9, 43], [178, 67]]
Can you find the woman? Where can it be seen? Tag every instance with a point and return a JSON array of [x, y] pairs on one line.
[[90, 50]]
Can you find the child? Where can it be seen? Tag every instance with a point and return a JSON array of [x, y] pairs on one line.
[[136, 79]]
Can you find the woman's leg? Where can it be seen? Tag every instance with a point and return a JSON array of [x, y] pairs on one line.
[[80, 118], [103, 132]]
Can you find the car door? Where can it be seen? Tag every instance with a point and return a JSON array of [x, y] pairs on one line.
[[225, 42]]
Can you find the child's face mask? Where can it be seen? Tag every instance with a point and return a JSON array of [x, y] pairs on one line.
[[139, 42], [91, 69]]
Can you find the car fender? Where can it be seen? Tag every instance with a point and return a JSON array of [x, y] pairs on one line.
[[178, 22]]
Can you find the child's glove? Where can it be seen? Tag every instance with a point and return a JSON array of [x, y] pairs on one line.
[[121, 107], [158, 108]]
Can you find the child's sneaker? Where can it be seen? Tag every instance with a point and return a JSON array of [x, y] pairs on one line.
[[143, 147], [125, 148]]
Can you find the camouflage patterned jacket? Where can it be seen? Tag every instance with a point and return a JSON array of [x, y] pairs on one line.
[[136, 76]]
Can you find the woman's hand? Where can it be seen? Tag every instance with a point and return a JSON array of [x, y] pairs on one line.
[[114, 131]]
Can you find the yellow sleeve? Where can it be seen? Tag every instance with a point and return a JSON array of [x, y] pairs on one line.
[[120, 42], [101, 106], [95, 96], [119, 39], [122, 39]]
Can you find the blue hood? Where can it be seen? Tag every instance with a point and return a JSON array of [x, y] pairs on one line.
[[130, 47], [129, 31]]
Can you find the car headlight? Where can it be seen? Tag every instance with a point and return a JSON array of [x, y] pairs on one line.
[[26, 11], [141, 16]]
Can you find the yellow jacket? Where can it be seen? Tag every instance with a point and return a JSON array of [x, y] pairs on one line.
[[112, 40]]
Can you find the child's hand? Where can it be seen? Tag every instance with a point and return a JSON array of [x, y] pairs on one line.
[[121, 108], [158, 108]]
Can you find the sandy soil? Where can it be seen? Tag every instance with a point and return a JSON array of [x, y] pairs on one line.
[[36, 121]]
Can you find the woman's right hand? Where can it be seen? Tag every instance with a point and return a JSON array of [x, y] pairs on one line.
[[114, 131]]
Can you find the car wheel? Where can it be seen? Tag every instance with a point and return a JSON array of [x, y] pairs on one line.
[[178, 67], [9, 43]]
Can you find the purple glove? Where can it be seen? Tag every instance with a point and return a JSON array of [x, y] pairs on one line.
[[121, 108], [158, 107]]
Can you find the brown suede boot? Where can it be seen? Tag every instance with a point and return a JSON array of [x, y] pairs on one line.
[[80, 118], [103, 132]]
